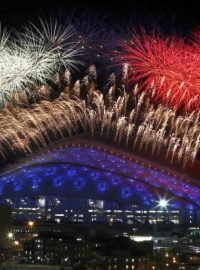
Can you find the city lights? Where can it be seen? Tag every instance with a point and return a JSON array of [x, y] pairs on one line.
[[10, 235], [31, 223]]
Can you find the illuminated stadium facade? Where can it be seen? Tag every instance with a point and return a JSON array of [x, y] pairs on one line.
[[89, 181]]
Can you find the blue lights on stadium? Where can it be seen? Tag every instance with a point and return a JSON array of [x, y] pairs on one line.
[[86, 172]]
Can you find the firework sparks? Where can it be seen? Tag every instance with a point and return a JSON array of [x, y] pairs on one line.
[[33, 58], [167, 69], [149, 129]]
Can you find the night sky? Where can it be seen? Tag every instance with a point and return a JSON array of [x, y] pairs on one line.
[[182, 15]]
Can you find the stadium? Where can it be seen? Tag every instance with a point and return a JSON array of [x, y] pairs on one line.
[[65, 144]]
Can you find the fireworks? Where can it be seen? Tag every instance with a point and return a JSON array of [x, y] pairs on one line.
[[128, 119], [165, 78], [33, 57], [167, 69], [4, 35]]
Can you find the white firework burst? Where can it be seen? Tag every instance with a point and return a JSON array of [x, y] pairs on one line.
[[4, 36], [34, 57], [52, 37]]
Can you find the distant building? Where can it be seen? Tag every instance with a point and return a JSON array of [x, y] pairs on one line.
[[12, 266], [84, 183], [5, 228], [82, 210]]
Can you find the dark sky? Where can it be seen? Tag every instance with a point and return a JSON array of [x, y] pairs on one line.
[[183, 13]]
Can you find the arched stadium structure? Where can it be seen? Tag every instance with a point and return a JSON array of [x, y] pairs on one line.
[[85, 169]]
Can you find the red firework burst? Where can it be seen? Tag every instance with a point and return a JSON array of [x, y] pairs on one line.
[[167, 69]]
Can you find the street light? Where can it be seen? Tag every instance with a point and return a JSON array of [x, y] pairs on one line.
[[10, 235], [111, 221], [31, 223]]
